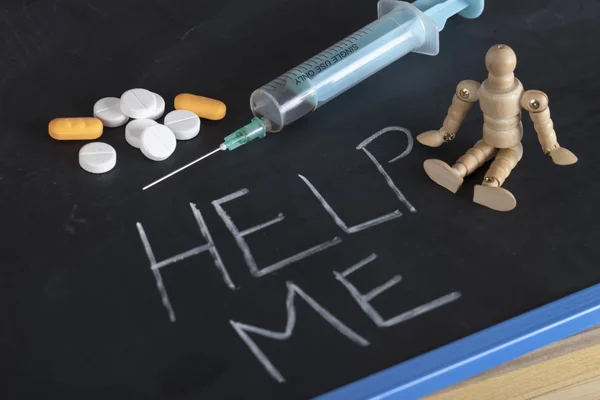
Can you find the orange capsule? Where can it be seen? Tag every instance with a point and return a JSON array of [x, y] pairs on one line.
[[75, 128], [201, 106]]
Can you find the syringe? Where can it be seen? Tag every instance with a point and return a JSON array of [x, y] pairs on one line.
[[401, 28]]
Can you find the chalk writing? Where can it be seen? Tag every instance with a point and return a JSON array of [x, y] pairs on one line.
[[363, 146], [243, 245], [340, 222], [246, 331], [156, 266], [243, 329], [164, 296], [384, 218], [363, 300]]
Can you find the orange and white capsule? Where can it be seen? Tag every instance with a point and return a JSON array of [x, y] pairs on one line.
[[75, 128], [201, 106]]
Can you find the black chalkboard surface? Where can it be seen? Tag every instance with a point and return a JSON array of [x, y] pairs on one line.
[[85, 317]]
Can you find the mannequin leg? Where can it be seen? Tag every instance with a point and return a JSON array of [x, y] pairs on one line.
[[490, 193], [452, 177]]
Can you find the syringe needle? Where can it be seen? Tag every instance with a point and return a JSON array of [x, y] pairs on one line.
[[184, 167], [257, 128]]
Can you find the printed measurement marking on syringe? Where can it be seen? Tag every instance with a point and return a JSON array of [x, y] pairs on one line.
[[319, 63], [303, 73]]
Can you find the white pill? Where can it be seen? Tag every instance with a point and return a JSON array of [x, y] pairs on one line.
[[97, 157], [134, 129], [160, 107], [138, 103], [157, 142], [184, 124], [108, 110]]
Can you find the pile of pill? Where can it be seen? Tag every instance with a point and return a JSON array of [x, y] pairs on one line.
[[156, 141]]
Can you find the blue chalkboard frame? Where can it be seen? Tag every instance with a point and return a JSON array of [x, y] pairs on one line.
[[472, 355]]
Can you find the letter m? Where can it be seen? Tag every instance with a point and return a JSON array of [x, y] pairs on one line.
[[243, 329]]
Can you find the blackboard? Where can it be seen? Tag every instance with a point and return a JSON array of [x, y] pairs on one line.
[[82, 315]]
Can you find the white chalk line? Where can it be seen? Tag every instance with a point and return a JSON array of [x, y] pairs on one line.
[[164, 296]]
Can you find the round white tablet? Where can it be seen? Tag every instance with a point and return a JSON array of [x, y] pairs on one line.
[[108, 110], [184, 124], [138, 103], [97, 157], [160, 107], [157, 142], [134, 129]]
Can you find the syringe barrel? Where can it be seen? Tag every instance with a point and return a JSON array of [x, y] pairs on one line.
[[333, 71]]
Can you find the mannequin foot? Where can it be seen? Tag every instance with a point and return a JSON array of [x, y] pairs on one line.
[[496, 198], [442, 174]]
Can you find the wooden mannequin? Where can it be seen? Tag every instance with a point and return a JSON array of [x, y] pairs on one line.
[[501, 97]]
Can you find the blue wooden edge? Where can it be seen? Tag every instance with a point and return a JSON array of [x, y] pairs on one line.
[[472, 355]]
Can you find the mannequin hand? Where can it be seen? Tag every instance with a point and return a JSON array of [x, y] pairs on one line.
[[433, 138]]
